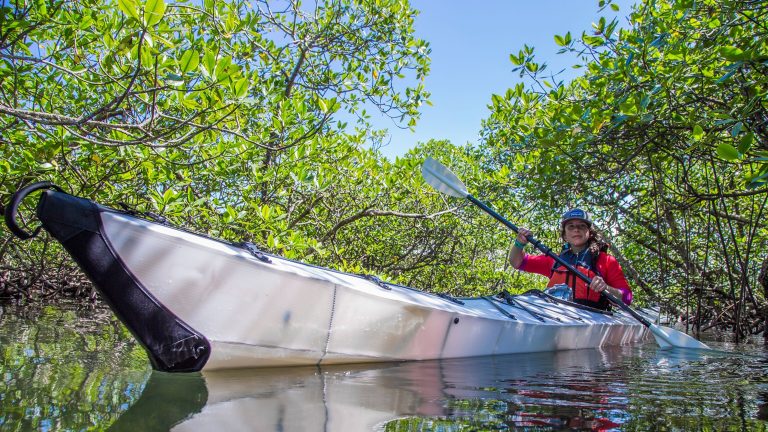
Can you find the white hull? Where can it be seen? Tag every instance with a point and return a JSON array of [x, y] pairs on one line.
[[284, 313]]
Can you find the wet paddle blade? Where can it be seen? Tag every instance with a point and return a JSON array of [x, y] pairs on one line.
[[670, 338], [442, 179]]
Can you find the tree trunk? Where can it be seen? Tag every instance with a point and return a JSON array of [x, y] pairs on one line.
[[762, 278]]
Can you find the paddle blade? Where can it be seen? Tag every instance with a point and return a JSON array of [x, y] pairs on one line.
[[670, 338], [442, 179]]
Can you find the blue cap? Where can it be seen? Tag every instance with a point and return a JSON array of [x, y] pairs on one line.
[[575, 214]]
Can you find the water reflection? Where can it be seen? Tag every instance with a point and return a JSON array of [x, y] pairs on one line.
[[79, 370], [65, 369], [583, 389]]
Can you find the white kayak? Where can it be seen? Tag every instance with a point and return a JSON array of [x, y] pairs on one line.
[[198, 303]]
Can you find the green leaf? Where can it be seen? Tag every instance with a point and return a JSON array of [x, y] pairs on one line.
[[174, 79], [593, 41], [560, 40], [727, 152], [732, 53], [698, 132], [758, 180], [265, 212], [736, 129], [209, 63], [153, 12], [164, 41], [746, 142], [189, 61], [644, 101], [225, 69], [169, 195], [125, 44], [6, 167], [241, 87], [85, 23], [129, 8], [727, 76]]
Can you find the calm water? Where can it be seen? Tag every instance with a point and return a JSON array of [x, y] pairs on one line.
[[64, 369]]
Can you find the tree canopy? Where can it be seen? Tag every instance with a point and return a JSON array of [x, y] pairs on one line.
[[665, 138], [249, 120]]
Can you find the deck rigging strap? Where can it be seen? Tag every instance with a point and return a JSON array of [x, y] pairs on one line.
[[493, 301], [510, 300], [376, 280], [450, 298], [256, 252], [162, 220], [557, 311]]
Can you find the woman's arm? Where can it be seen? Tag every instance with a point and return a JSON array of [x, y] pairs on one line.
[[516, 252], [615, 280]]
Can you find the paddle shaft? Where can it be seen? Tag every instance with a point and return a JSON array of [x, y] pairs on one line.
[[547, 251], [444, 181]]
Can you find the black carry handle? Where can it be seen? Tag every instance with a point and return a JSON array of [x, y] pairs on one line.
[[13, 207]]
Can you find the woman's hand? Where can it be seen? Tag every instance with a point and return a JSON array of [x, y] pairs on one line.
[[522, 235], [598, 284]]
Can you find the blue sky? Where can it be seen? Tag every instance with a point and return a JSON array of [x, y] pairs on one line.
[[471, 43]]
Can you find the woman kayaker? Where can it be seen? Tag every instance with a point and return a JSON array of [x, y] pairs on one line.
[[585, 250]]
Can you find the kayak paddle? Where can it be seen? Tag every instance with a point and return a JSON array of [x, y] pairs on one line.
[[444, 181]]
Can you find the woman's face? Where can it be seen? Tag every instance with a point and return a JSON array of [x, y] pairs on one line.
[[576, 233]]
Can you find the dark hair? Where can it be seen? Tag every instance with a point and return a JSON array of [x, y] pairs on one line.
[[595, 244]]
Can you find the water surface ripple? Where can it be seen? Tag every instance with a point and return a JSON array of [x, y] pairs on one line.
[[65, 368]]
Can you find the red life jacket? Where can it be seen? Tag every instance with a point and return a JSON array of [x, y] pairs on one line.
[[581, 292]]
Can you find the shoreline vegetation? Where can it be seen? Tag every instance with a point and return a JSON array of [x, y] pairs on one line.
[[247, 122]]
